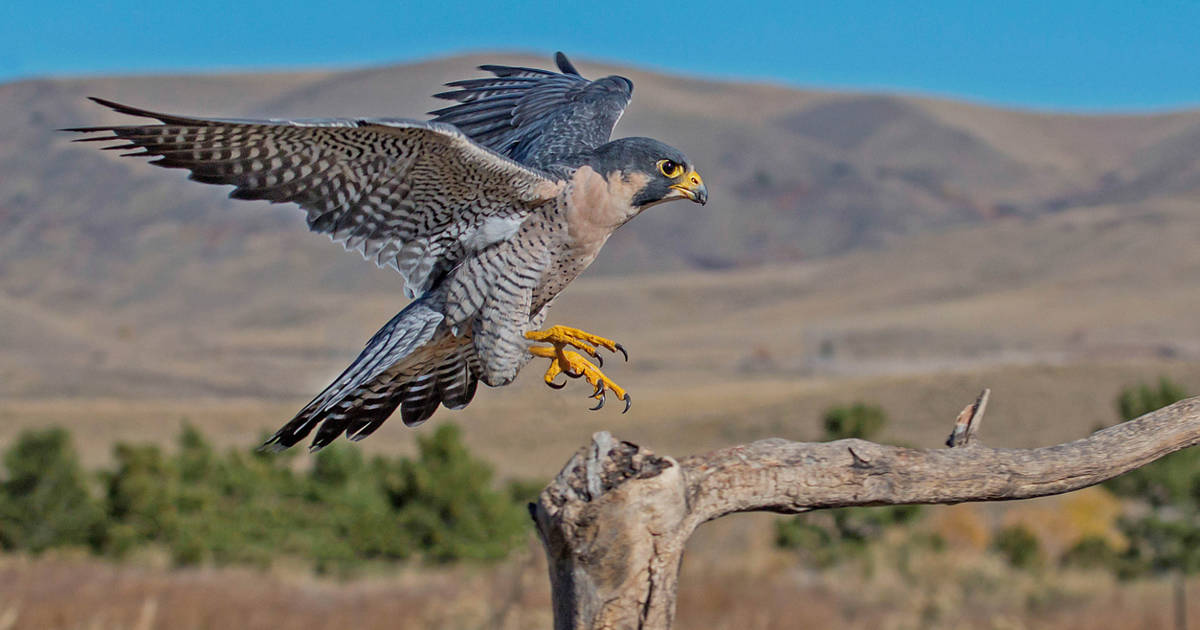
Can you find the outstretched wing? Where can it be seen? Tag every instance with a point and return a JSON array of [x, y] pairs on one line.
[[536, 117], [412, 195]]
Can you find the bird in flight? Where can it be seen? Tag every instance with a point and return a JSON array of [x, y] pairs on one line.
[[487, 211]]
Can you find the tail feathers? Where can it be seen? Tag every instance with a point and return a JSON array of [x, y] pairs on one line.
[[354, 416], [420, 399], [371, 380], [362, 426], [456, 378], [452, 382]]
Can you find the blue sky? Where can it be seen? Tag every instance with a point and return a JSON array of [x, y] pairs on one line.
[[1099, 55]]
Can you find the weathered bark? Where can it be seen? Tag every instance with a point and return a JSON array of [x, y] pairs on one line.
[[615, 520]]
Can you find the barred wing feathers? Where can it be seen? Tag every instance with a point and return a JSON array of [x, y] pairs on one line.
[[412, 195]]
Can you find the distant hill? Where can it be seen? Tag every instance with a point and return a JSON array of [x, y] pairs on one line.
[[121, 279], [795, 174]]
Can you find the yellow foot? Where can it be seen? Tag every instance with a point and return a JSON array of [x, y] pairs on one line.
[[574, 365], [564, 336]]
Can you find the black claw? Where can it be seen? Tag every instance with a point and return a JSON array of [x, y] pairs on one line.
[[599, 390], [599, 360], [554, 385], [599, 404], [628, 402], [621, 349]]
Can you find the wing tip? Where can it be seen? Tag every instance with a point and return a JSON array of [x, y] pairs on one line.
[[113, 105], [122, 108], [130, 110], [564, 65]]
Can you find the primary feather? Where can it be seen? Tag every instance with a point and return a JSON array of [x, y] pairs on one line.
[[403, 193], [537, 117]]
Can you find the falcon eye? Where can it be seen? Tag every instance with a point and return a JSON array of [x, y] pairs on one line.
[[670, 169]]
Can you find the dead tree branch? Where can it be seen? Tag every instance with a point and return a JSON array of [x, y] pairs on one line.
[[615, 520]]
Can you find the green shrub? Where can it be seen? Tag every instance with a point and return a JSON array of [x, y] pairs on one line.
[[141, 493], [445, 500], [1019, 547], [1158, 544], [856, 421], [1164, 535], [244, 507], [44, 497], [336, 466], [524, 491], [1142, 399], [1173, 480], [1091, 552], [196, 459], [816, 543]]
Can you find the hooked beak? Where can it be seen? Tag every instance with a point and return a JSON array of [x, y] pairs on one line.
[[692, 187]]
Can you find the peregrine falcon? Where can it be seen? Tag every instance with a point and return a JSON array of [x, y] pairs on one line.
[[487, 211]]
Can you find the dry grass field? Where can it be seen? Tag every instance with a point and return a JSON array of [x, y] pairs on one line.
[[961, 588], [1055, 314]]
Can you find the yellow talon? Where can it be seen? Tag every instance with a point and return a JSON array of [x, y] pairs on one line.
[[573, 364], [565, 336], [555, 369]]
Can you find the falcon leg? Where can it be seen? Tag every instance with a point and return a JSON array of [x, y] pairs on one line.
[[573, 364]]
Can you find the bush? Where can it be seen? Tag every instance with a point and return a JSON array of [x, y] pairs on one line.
[[446, 502], [1091, 552], [1165, 534], [856, 421], [1019, 547], [141, 492], [1173, 480], [817, 543], [249, 508], [44, 497], [1142, 399], [1159, 544]]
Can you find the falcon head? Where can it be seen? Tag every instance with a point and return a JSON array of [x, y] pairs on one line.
[[663, 172]]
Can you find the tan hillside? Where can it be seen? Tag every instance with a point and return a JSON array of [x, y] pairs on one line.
[[855, 244]]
